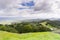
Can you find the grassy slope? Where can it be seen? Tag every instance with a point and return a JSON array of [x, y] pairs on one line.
[[29, 36]]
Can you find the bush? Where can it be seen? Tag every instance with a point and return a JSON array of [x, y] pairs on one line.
[[9, 29]]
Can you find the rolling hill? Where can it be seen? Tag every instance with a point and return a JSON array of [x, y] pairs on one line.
[[29, 36]]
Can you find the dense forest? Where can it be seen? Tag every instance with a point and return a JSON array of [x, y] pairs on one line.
[[34, 26]]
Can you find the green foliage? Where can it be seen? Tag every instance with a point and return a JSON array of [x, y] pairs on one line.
[[25, 27], [8, 28]]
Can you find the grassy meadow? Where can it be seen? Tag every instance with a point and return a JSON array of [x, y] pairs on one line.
[[29, 36]]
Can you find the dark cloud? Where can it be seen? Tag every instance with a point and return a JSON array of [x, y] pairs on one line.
[[45, 7]]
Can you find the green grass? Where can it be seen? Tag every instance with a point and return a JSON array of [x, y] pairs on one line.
[[29, 36]]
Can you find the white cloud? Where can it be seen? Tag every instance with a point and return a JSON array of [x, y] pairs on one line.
[[42, 9]]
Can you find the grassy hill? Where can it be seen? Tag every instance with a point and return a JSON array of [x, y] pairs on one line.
[[29, 36]]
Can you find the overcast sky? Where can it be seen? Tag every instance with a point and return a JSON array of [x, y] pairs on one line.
[[30, 8]]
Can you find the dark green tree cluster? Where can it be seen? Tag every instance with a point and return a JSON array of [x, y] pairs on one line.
[[24, 27], [7, 28]]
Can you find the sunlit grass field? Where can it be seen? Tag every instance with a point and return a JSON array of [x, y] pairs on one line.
[[29, 36]]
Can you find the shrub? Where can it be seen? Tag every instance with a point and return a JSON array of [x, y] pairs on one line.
[[9, 29]]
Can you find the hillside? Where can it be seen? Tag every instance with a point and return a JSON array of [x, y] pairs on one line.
[[29, 36], [34, 26]]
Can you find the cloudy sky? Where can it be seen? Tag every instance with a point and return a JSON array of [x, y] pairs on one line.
[[29, 9]]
